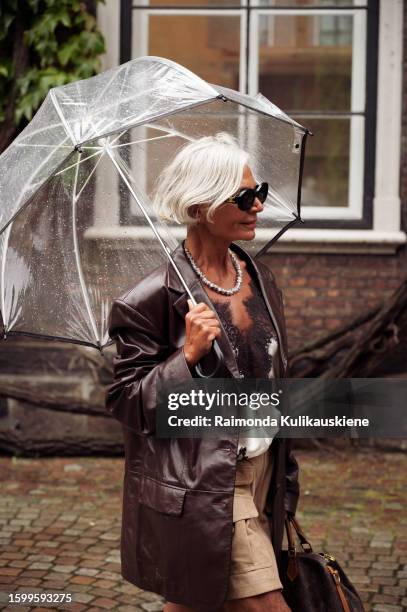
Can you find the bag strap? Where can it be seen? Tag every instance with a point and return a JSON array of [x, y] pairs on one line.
[[335, 575], [290, 538], [305, 543], [292, 566]]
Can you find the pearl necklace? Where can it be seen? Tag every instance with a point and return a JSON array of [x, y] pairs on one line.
[[212, 285]]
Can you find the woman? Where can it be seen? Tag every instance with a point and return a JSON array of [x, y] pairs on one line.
[[203, 524]]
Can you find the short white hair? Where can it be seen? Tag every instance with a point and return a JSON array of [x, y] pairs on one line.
[[206, 171]]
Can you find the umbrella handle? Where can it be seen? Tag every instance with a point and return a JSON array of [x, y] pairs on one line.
[[219, 363]]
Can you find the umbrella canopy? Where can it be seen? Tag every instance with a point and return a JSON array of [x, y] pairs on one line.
[[76, 223]]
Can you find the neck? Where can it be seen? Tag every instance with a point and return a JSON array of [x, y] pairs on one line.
[[209, 252]]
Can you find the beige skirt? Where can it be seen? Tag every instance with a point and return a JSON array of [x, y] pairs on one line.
[[253, 567]]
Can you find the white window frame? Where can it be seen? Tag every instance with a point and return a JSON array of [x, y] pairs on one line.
[[385, 235]]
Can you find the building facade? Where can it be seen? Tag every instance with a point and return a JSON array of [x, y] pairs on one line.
[[336, 66]]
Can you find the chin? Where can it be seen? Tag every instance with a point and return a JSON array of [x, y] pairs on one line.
[[248, 234]]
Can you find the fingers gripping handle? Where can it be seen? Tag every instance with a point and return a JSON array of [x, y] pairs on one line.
[[217, 350]]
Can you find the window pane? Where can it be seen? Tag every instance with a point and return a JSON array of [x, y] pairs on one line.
[[326, 168], [206, 44], [305, 61]]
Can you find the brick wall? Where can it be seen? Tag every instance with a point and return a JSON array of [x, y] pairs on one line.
[[323, 292]]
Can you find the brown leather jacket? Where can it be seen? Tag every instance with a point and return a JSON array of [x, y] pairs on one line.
[[178, 493]]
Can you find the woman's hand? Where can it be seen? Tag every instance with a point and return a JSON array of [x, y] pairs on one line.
[[202, 327]]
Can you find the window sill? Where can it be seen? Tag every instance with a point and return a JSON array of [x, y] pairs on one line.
[[293, 241], [339, 241]]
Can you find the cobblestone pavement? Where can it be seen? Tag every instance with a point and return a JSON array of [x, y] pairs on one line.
[[60, 527]]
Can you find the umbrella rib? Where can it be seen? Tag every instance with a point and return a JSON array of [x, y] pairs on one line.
[[3, 274], [93, 106], [172, 131], [79, 162], [126, 169], [107, 125], [61, 116], [21, 137], [151, 224], [169, 133], [268, 244], [88, 179], [78, 258], [118, 136], [126, 144], [21, 144]]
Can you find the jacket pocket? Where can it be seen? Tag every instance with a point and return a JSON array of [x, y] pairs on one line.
[[243, 508], [243, 503], [244, 473], [162, 497]]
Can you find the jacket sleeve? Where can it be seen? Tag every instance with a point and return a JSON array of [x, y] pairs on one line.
[[142, 362], [292, 488], [292, 491]]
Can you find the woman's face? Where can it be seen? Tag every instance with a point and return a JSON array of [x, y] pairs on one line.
[[231, 223]]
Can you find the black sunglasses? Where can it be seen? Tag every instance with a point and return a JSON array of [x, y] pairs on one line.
[[245, 197]]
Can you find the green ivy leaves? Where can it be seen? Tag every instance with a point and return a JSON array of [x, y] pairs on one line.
[[63, 45]]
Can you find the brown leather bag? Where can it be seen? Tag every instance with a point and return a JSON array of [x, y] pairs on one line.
[[315, 582]]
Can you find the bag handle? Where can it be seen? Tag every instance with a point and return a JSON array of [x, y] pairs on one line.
[[305, 543], [292, 567]]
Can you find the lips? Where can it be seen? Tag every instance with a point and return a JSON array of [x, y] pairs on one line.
[[250, 224]]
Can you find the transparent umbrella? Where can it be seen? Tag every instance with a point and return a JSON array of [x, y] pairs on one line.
[[77, 226]]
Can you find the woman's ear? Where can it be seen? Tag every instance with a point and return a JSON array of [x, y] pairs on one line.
[[193, 212], [197, 212], [202, 212]]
